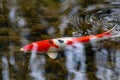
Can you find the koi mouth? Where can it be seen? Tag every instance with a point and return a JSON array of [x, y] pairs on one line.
[[21, 49]]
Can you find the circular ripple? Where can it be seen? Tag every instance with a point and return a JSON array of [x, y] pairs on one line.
[[102, 16]]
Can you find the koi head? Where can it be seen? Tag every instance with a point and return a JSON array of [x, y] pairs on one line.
[[27, 48], [40, 46]]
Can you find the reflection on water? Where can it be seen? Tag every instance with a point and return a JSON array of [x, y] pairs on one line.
[[37, 67], [75, 62], [37, 63], [5, 71], [105, 71], [117, 65], [26, 21], [63, 25], [106, 61], [103, 68]]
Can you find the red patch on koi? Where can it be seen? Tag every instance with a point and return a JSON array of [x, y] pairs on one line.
[[69, 42], [83, 39], [106, 34], [42, 46]]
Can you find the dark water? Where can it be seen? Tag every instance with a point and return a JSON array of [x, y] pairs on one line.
[[23, 22]]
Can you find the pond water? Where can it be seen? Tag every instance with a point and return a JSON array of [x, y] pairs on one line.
[[23, 22]]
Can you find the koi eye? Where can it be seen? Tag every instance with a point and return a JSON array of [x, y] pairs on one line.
[[50, 42], [61, 41], [74, 46]]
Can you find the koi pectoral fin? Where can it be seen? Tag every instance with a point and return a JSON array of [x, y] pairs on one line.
[[52, 55]]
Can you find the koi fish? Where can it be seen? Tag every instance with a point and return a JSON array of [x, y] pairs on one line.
[[52, 46]]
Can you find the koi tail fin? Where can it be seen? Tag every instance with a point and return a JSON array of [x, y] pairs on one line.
[[114, 32], [111, 30]]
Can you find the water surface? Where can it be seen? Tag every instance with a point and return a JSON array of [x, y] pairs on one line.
[[23, 22]]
